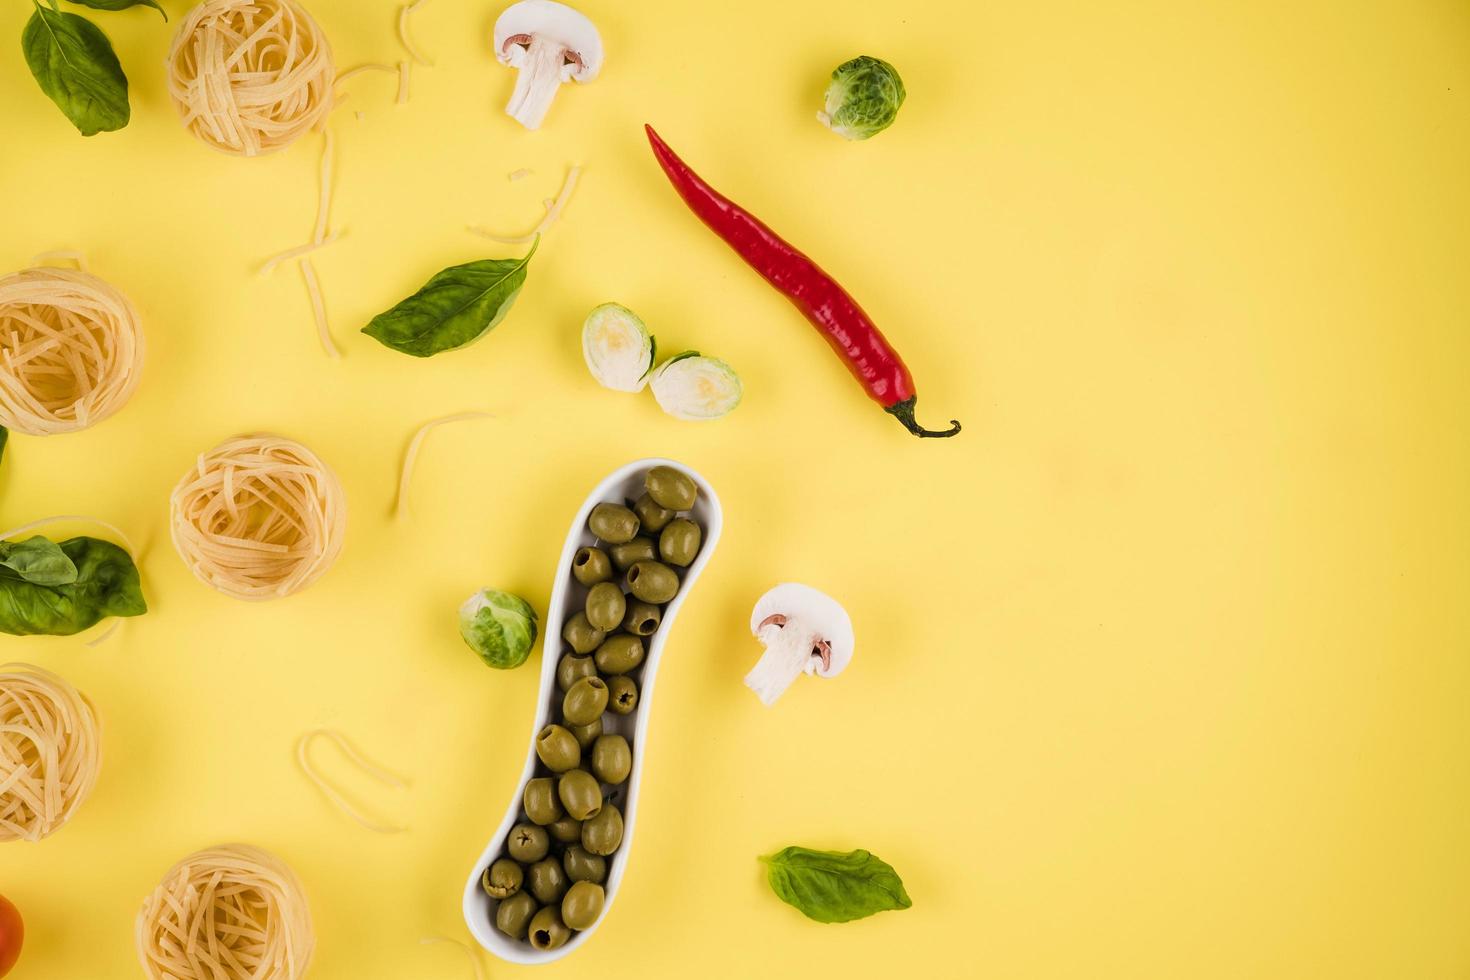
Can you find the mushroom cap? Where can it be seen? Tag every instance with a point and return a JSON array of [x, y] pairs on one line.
[[819, 612], [554, 22]]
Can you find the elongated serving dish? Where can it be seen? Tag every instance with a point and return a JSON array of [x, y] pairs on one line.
[[568, 598]]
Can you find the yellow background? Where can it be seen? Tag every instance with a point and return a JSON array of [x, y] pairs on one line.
[[1161, 665]]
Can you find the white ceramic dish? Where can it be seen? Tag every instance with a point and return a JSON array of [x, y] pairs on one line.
[[567, 598]]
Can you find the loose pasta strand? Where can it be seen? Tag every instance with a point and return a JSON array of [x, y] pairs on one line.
[[61, 255], [469, 951], [406, 474], [331, 792], [405, 35], [553, 212], [319, 309], [72, 519], [276, 260]]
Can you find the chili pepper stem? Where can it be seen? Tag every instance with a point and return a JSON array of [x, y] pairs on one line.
[[904, 412]]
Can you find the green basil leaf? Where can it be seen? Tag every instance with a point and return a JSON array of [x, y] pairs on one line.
[[829, 886], [107, 584], [38, 560], [455, 308], [74, 64], [121, 5]]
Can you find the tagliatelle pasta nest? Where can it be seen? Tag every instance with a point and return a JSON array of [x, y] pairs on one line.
[[232, 912], [251, 76], [259, 517], [71, 350], [50, 752]]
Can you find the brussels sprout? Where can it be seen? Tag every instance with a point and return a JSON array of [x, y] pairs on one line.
[[499, 627], [863, 98], [694, 387], [618, 348]]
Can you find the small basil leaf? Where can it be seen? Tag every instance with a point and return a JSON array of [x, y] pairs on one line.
[[107, 584], [121, 5], [829, 886], [75, 66], [38, 560], [455, 308]]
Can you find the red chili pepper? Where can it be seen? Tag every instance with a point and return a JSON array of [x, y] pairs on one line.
[[850, 331]]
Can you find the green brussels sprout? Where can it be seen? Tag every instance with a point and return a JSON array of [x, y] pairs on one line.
[[695, 388], [863, 98], [618, 348], [500, 627]]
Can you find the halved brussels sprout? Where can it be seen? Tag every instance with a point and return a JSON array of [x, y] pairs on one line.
[[863, 98], [617, 347], [500, 627], [695, 388]]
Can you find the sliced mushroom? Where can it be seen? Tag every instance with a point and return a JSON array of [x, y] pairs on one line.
[[549, 43], [804, 631]]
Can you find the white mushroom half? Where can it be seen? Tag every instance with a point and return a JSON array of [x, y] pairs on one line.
[[549, 43], [804, 632]]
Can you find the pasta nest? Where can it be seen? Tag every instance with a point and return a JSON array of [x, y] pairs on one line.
[[71, 350], [50, 752], [250, 76], [232, 912], [259, 517]]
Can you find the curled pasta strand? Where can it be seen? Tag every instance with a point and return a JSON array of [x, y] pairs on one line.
[[415, 444], [303, 759]]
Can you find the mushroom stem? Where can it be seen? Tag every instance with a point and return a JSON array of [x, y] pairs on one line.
[[540, 75], [788, 651]]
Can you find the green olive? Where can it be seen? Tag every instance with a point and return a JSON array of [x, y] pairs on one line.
[[650, 581], [590, 566], [581, 795], [565, 830], [619, 654], [581, 635], [546, 880], [514, 915], [651, 515], [582, 905], [528, 844], [602, 833], [572, 668], [622, 695], [557, 747], [670, 488], [547, 931], [503, 878], [581, 866], [542, 806], [605, 606], [587, 734], [680, 542], [613, 523], [642, 618], [584, 703], [639, 549], [611, 759]]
